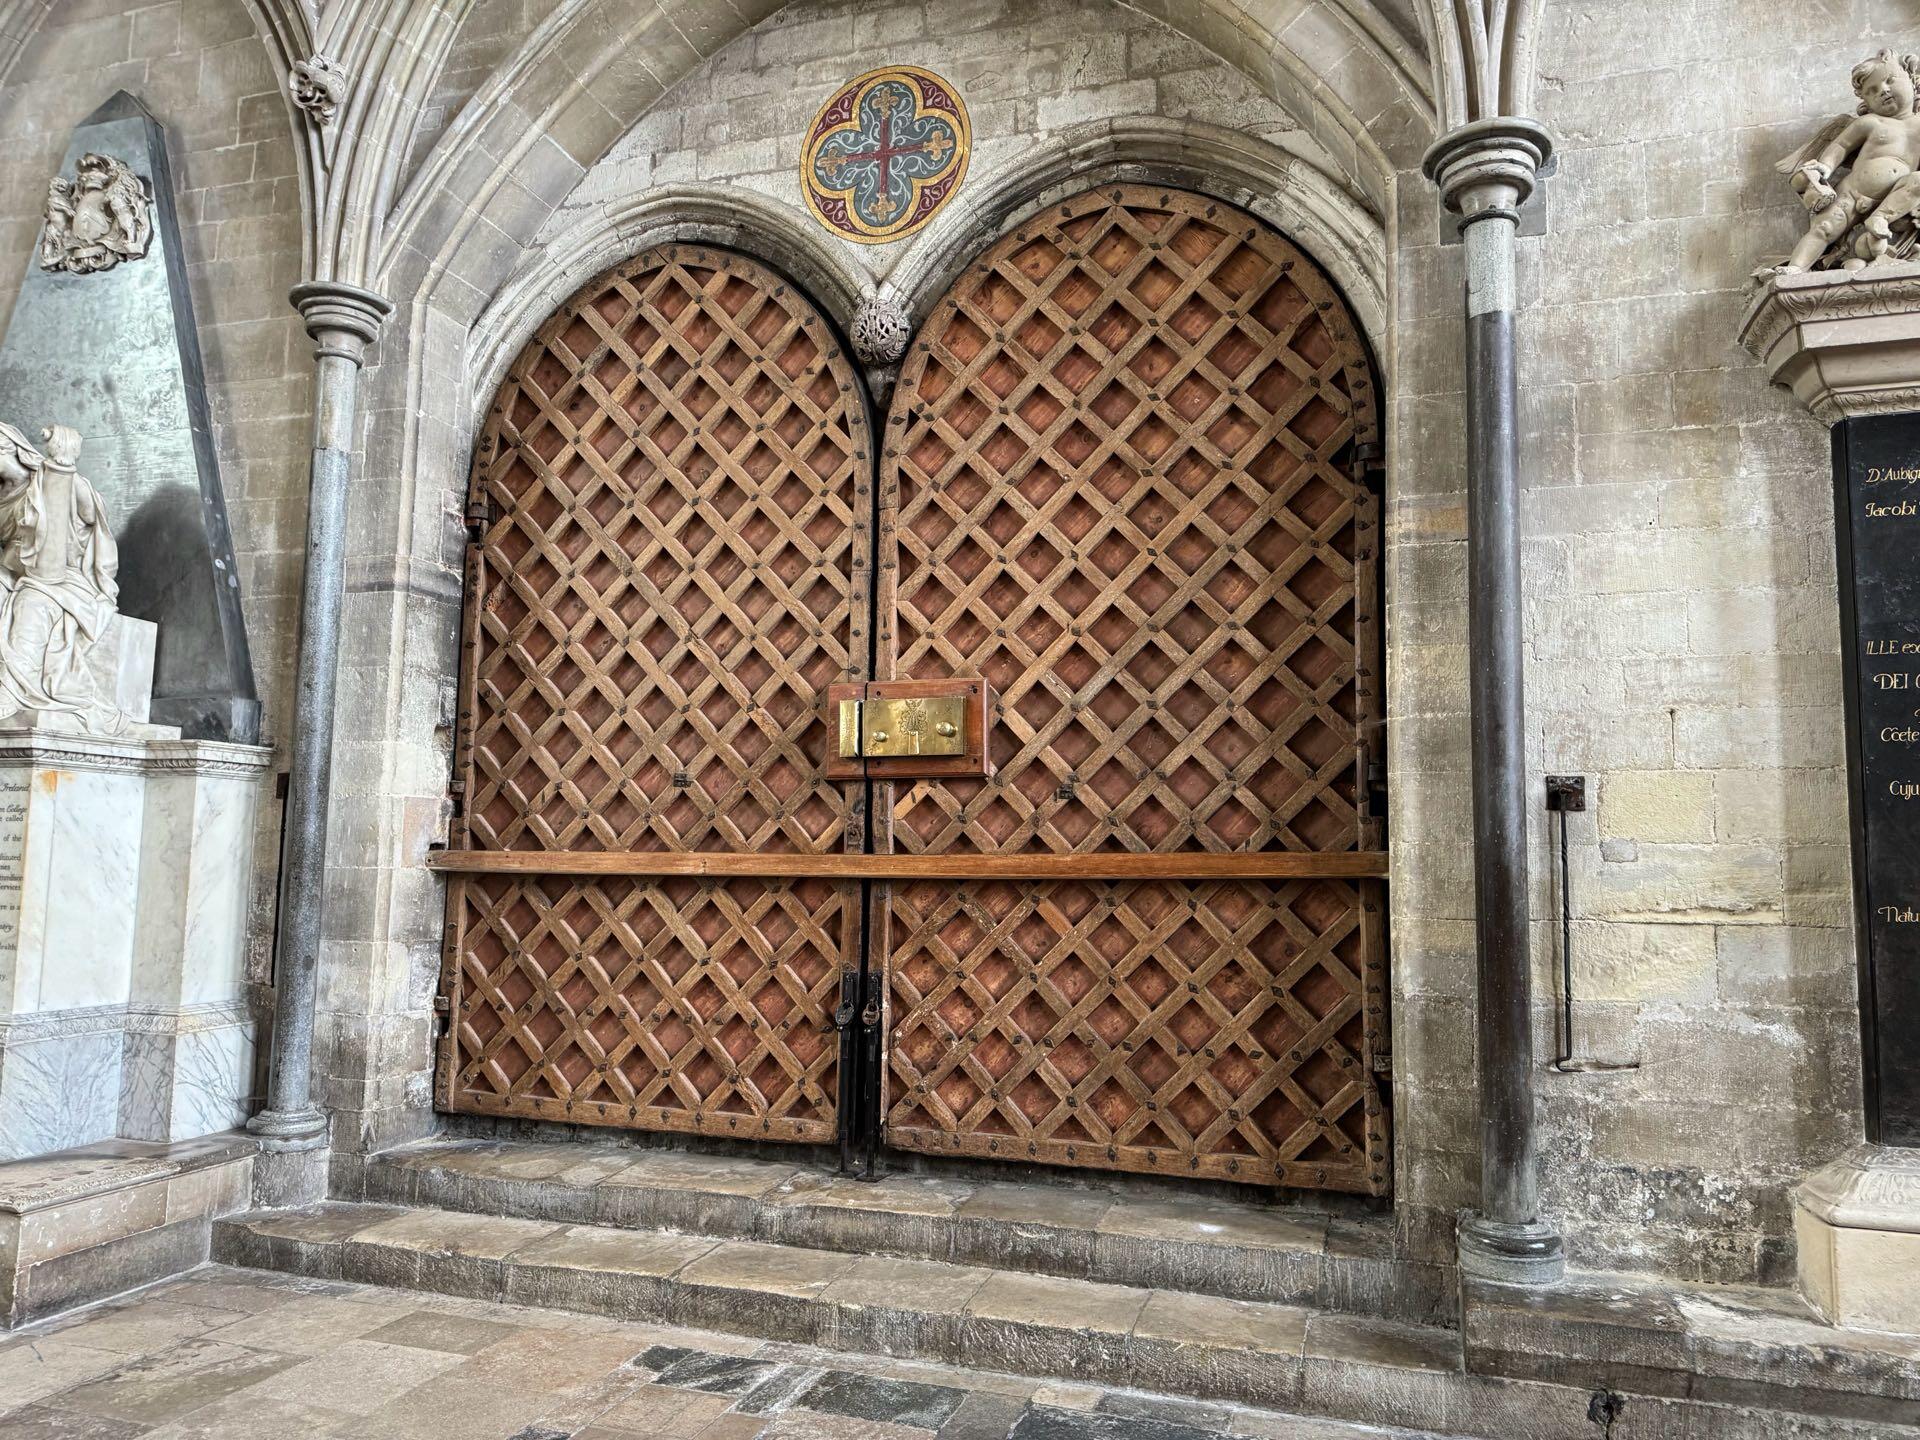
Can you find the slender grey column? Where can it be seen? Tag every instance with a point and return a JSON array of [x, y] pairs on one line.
[[343, 320], [1484, 171]]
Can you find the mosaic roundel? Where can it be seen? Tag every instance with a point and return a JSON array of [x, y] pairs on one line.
[[885, 153]]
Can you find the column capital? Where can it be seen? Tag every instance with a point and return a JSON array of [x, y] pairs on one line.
[[342, 319], [1488, 167]]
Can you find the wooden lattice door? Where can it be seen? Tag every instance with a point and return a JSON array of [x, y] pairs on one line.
[[671, 504], [1122, 481]]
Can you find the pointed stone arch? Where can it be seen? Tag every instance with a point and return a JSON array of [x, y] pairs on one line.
[[731, 217]]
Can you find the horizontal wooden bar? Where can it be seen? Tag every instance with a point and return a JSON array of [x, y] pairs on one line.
[[1192, 865]]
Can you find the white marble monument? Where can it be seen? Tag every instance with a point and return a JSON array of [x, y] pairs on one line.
[[125, 852]]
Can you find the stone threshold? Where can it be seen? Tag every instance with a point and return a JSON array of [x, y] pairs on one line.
[[82, 1224], [1202, 1347], [1205, 1246]]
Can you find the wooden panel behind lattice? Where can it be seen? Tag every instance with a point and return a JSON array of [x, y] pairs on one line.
[[672, 494], [1122, 464]]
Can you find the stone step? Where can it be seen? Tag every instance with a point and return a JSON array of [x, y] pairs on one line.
[[82, 1224], [1241, 1251], [1200, 1347]]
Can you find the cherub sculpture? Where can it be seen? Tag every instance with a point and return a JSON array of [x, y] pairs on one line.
[[97, 219], [1867, 214], [58, 584]]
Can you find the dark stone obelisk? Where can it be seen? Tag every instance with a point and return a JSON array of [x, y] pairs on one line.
[[115, 355]]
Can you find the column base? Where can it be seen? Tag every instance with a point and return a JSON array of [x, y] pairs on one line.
[[1531, 1254], [1858, 1226], [283, 1131]]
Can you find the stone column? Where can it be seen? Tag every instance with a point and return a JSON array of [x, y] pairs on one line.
[[1484, 171], [343, 320], [1847, 343]]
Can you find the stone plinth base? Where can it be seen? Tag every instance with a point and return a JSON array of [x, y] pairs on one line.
[[1858, 1226], [84, 1224], [124, 872]]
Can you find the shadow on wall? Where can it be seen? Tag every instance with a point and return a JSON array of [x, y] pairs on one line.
[[179, 598]]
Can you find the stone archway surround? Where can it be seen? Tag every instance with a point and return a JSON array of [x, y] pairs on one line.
[[495, 274]]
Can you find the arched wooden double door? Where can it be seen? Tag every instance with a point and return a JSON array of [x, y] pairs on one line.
[[1121, 481]]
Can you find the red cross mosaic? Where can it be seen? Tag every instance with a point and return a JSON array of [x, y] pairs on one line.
[[885, 153]]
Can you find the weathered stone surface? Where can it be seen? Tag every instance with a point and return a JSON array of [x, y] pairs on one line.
[[1672, 516], [1204, 1347], [1247, 1251]]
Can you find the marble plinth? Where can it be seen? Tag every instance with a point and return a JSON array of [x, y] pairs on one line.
[[124, 870], [1857, 1222]]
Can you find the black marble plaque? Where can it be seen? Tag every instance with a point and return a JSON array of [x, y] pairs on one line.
[[1876, 463]]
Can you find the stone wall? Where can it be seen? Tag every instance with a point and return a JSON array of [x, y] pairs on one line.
[[1682, 627], [199, 66], [1682, 622], [1682, 648]]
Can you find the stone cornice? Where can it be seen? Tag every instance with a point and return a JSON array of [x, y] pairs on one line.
[[1845, 342], [36, 1025], [55, 750]]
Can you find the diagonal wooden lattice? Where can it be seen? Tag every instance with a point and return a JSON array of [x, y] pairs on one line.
[[1124, 456], [672, 495], [687, 1005], [1216, 1030], [673, 488]]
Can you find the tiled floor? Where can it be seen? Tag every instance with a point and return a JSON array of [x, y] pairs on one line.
[[238, 1353]]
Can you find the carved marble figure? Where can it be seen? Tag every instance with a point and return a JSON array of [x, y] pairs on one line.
[[97, 219], [58, 583], [1867, 213]]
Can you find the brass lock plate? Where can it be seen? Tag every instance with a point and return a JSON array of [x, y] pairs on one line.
[[934, 725], [909, 729]]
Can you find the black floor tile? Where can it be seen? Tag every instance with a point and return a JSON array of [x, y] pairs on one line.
[[659, 1357], [869, 1397], [1043, 1422], [716, 1374], [777, 1390]]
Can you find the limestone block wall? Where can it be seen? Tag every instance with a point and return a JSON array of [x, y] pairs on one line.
[[1682, 648], [723, 147], [1682, 628], [200, 68]]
